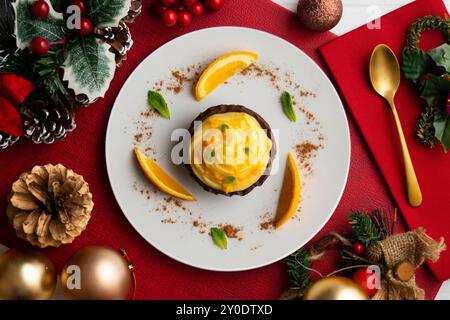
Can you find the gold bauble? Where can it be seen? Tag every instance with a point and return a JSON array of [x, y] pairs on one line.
[[96, 273], [26, 275], [336, 288]]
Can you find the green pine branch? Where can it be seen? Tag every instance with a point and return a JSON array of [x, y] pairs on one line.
[[42, 71], [364, 228], [297, 265]]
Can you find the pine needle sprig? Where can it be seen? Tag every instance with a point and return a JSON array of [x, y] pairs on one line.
[[425, 131], [7, 40], [424, 24], [298, 270], [42, 71], [364, 228]]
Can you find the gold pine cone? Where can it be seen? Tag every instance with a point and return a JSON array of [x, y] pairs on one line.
[[49, 206]]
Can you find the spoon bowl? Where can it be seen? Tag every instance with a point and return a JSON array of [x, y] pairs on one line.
[[384, 71]]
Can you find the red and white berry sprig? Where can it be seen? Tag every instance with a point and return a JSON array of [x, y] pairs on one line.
[[181, 12]]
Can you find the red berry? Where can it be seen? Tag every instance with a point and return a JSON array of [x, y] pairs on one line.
[[80, 4], [196, 9], [39, 46], [214, 4], [86, 27], [40, 9], [367, 280], [358, 249], [184, 18], [189, 2], [167, 3], [170, 18]]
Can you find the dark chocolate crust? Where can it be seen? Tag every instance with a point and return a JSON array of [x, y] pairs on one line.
[[264, 125]]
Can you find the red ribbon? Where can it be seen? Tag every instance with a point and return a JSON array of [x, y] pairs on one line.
[[13, 91]]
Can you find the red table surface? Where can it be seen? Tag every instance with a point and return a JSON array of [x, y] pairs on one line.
[[158, 276]]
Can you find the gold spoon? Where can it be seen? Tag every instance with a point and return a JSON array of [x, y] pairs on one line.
[[385, 78]]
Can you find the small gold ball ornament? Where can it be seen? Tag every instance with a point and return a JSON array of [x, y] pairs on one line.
[[97, 273], [335, 288], [26, 275], [319, 15]]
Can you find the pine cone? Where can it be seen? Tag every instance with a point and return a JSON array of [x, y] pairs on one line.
[[46, 121], [49, 206], [79, 100], [6, 140], [135, 10], [119, 39]]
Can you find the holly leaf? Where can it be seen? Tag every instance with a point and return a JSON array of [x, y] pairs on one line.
[[108, 12], [415, 64], [434, 90], [441, 56], [28, 27], [89, 67], [442, 129]]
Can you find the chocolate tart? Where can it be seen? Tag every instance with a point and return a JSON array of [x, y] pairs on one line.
[[264, 125]]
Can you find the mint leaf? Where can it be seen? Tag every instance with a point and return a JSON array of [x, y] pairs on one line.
[[247, 150], [108, 12], [434, 90], [213, 153], [27, 27], [89, 67], [441, 56], [442, 129], [219, 237], [415, 64], [157, 102], [224, 127], [286, 102], [229, 179]]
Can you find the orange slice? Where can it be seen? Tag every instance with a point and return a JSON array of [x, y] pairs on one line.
[[222, 69], [160, 178], [290, 193]]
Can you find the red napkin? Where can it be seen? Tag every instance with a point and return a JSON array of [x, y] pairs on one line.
[[159, 277], [348, 58]]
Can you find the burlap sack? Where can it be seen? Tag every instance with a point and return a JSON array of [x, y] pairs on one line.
[[413, 246]]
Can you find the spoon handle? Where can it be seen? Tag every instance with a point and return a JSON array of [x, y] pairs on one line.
[[412, 185]]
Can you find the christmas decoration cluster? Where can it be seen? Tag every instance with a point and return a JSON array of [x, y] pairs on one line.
[[57, 56]]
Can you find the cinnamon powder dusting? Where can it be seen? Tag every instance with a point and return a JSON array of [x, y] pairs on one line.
[[305, 152], [232, 232], [267, 222]]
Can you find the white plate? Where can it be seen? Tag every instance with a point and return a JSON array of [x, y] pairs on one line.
[[182, 241]]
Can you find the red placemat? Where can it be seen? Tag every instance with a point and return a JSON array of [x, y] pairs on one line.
[[158, 276], [348, 59]]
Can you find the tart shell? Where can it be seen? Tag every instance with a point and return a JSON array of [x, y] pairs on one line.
[[264, 125]]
